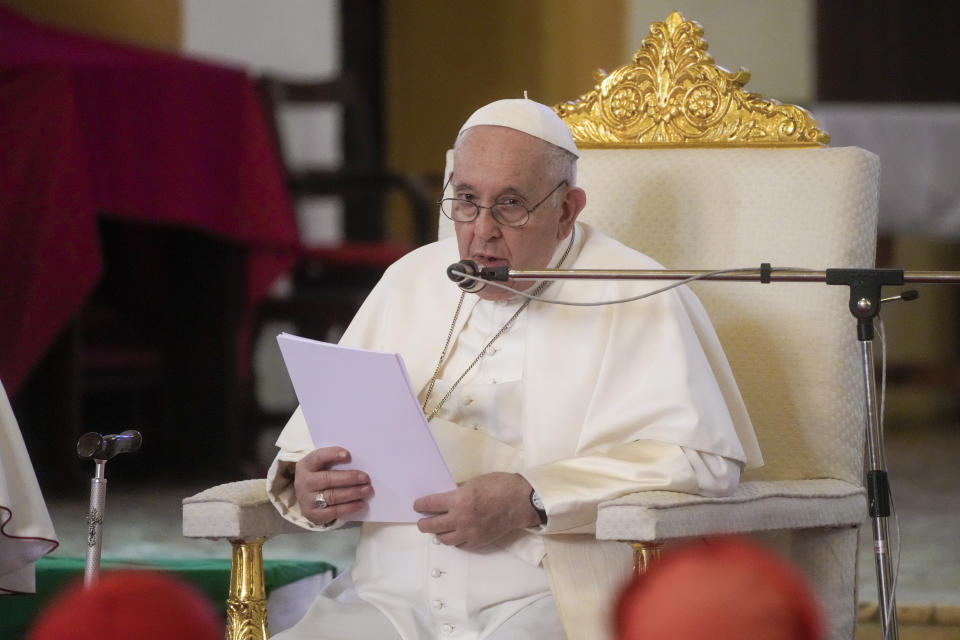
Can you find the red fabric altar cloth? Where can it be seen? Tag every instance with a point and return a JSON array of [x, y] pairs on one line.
[[92, 128]]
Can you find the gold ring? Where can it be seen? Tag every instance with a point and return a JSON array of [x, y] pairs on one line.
[[320, 502]]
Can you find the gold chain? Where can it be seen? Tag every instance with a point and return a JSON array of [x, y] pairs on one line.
[[443, 354], [503, 329]]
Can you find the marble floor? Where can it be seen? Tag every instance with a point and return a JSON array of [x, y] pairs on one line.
[[923, 467]]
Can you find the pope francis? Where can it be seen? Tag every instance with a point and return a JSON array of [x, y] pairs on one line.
[[541, 411]]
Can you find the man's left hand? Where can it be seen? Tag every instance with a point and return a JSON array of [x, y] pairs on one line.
[[478, 511]]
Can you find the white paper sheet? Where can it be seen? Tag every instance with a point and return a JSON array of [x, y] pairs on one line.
[[363, 401]]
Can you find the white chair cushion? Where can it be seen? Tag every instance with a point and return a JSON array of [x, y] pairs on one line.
[[237, 510], [755, 506]]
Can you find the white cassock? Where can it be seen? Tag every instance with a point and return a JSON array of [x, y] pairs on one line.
[[26, 532], [587, 403]]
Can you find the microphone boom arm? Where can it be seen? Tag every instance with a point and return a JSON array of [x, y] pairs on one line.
[[763, 274]]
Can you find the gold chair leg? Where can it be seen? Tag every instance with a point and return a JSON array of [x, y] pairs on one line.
[[644, 554], [247, 602]]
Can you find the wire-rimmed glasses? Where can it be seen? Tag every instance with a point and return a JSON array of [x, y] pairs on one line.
[[509, 212]]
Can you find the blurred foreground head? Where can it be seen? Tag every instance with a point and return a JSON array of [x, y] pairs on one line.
[[129, 604], [725, 589]]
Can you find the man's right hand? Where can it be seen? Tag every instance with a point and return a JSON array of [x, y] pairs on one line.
[[344, 491]]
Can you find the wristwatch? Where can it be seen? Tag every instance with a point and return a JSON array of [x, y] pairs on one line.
[[537, 504]]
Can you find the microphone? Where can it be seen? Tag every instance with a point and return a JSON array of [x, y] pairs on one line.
[[457, 269], [93, 445]]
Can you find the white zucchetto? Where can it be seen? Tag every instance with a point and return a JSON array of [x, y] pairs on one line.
[[528, 116]]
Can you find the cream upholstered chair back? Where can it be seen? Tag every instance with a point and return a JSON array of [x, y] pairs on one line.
[[792, 346]]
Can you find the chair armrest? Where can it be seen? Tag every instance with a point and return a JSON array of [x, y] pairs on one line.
[[651, 516], [236, 510]]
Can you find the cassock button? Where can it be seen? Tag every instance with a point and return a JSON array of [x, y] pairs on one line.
[[438, 604], [448, 628], [493, 381], [492, 351], [436, 573], [468, 401], [435, 539]]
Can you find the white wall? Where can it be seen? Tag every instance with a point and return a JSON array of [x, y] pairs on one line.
[[773, 39], [289, 38]]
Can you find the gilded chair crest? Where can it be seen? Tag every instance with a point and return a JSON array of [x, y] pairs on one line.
[[673, 94]]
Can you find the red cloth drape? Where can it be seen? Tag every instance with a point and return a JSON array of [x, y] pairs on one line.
[[91, 128]]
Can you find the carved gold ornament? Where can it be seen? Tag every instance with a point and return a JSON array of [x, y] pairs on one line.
[[247, 599], [673, 94]]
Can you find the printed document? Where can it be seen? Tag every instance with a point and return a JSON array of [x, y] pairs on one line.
[[363, 401]]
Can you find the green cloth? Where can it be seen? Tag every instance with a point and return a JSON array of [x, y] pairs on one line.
[[210, 576]]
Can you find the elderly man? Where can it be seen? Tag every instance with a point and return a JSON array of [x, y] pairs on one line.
[[541, 411]]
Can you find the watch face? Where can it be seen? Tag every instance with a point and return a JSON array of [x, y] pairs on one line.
[[536, 501]]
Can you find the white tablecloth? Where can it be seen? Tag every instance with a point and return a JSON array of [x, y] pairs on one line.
[[919, 149], [26, 531]]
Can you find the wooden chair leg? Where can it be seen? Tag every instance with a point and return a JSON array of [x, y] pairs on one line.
[[644, 554], [247, 602]]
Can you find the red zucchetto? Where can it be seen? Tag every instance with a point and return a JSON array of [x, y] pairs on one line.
[[146, 605], [723, 589]]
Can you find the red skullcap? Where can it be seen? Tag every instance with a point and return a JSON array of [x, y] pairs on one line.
[[129, 604], [724, 589]]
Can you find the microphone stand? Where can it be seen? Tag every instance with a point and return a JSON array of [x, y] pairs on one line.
[[100, 449], [865, 297]]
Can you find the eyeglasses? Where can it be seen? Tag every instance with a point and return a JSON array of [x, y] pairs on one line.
[[509, 212]]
